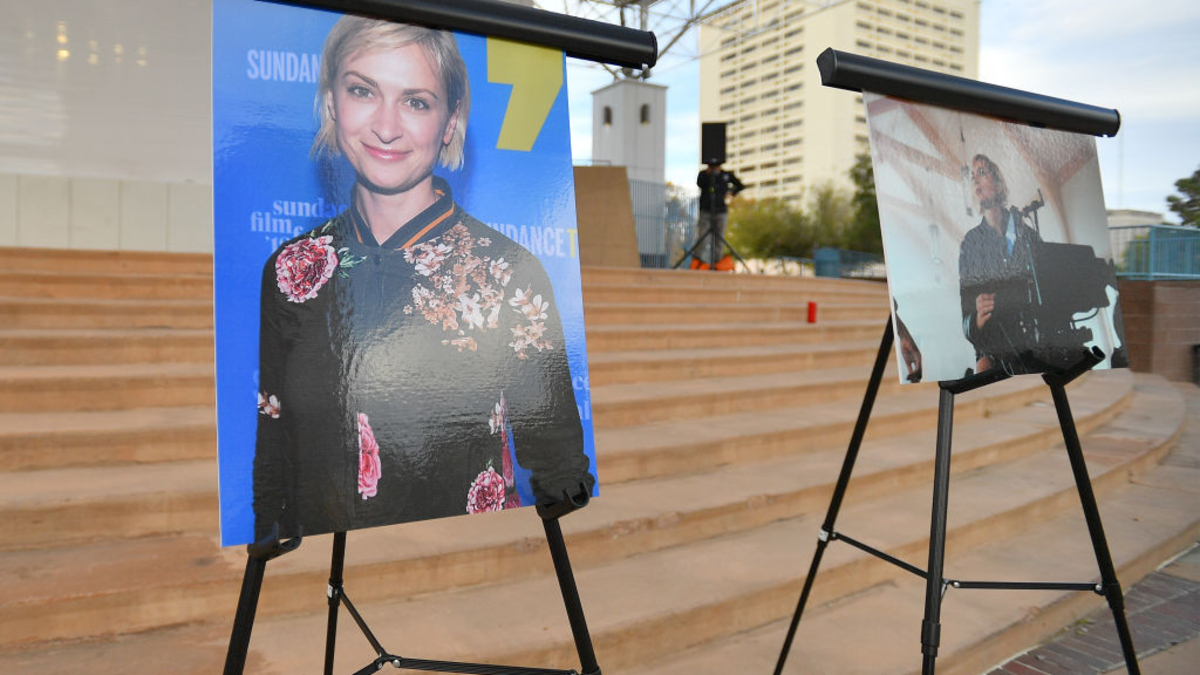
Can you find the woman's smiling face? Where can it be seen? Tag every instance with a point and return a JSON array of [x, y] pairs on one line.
[[392, 117]]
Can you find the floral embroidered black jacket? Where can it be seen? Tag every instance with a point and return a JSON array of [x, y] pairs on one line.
[[398, 382]]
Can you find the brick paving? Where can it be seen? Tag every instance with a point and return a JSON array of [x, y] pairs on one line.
[[1163, 611]]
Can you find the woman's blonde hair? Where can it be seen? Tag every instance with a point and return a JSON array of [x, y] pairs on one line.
[[354, 35]]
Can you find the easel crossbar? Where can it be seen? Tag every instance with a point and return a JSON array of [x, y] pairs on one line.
[[881, 555], [426, 665], [986, 585]]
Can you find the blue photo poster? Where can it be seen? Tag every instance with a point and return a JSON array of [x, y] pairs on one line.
[[396, 274]]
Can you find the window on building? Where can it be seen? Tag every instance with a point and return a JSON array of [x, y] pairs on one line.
[[956, 15], [955, 66], [728, 90], [794, 50], [792, 124], [883, 50], [862, 44], [644, 114], [793, 33], [748, 100], [863, 25], [792, 142], [728, 73], [607, 115]]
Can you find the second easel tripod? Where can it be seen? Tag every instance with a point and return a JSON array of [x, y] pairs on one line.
[[260, 553], [936, 583], [718, 244]]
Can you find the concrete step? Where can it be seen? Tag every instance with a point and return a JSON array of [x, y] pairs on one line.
[[686, 364], [122, 262], [796, 294], [876, 631], [33, 389], [701, 594], [54, 440], [81, 346], [629, 520], [608, 314], [624, 405], [717, 335], [688, 446], [42, 313], [106, 286], [632, 276]]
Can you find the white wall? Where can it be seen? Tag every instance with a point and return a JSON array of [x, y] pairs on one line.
[[105, 214]]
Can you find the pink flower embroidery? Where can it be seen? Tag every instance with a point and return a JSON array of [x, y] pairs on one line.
[[369, 468], [303, 267], [486, 493], [268, 405]]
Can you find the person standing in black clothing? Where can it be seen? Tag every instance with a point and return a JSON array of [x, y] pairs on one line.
[[997, 277], [715, 185]]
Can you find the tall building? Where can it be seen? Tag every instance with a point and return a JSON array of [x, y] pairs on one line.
[[758, 73]]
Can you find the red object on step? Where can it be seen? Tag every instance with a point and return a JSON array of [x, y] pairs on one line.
[[812, 312]]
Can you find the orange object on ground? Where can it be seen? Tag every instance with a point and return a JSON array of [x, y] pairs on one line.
[[725, 264]]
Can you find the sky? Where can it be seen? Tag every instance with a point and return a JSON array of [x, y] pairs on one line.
[[1141, 58]]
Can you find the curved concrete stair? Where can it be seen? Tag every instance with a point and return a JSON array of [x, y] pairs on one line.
[[708, 336], [34, 347], [629, 519], [106, 285], [707, 589], [30, 389], [105, 262], [721, 416], [1146, 520], [742, 312], [50, 440], [68, 313], [684, 364]]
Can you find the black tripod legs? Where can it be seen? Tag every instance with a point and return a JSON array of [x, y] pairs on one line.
[[839, 490], [243, 621], [1091, 513], [931, 626]]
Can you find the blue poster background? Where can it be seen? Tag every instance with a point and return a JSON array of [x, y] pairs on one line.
[[267, 189]]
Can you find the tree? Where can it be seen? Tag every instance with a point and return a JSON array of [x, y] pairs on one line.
[[1188, 205], [862, 233], [829, 216], [767, 228]]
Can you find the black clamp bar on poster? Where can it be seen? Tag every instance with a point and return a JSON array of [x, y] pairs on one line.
[[861, 73], [579, 38]]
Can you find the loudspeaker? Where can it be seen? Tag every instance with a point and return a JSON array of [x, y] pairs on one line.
[[712, 143]]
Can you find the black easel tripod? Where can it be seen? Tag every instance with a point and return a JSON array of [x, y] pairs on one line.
[[260, 553], [936, 584], [720, 245]]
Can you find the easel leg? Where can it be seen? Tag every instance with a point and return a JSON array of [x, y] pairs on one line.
[[243, 622], [1091, 513], [570, 593], [839, 490], [336, 566], [257, 555], [931, 627]]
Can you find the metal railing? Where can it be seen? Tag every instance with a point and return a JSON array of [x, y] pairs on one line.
[[664, 218], [1156, 251]]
